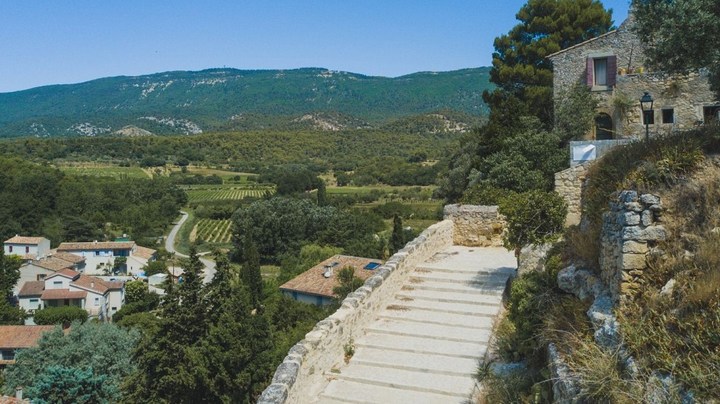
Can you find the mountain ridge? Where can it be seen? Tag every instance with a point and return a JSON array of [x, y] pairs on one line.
[[188, 102]]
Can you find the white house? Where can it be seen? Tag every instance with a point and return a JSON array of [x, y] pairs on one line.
[[39, 269], [101, 299], [27, 247], [100, 255]]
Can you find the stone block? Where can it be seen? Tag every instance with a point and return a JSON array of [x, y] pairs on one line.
[[647, 218], [634, 261], [632, 233], [286, 373], [274, 394], [654, 233], [649, 199], [633, 206], [634, 247], [628, 196], [630, 219]]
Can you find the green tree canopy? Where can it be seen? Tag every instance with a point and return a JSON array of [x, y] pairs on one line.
[[521, 68], [60, 315], [89, 354], [681, 35]]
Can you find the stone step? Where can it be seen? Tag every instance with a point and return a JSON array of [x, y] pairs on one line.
[[453, 386], [423, 345], [345, 391], [432, 317], [426, 363], [448, 297], [496, 290], [425, 267], [418, 329], [482, 282], [431, 275], [450, 308]]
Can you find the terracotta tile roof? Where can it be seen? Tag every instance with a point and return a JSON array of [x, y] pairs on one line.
[[32, 288], [67, 273], [24, 240], [53, 263], [66, 256], [21, 336], [96, 245], [144, 252], [314, 282], [96, 284], [58, 294]]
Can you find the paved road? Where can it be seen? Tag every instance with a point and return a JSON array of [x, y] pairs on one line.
[[425, 345], [209, 270]]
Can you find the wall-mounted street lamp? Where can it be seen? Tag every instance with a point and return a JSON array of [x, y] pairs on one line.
[[646, 103]]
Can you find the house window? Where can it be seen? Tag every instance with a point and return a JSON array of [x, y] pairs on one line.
[[711, 114], [56, 283], [649, 117], [34, 300], [668, 115], [7, 354], [114, 308], [10, 248], [40, 277], [601, 72], [27, 250], [603, 127], [97, 301]]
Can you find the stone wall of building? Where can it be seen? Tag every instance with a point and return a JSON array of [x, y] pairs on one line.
[[569, 185], [476, 226], [302, 374], [686, 95], [630, 230]]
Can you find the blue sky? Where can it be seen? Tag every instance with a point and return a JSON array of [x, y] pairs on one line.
[[54, 42]]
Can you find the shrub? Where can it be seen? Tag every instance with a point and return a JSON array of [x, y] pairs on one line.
[[60, 315]]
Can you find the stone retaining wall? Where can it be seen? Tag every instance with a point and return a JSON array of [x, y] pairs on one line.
[[302, 374], [630, 229], [569, 185], [476, 226]]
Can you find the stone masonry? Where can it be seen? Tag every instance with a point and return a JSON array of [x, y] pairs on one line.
[[629, 231], [476, 226], [569, 184]]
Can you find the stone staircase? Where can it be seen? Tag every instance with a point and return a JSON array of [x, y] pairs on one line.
[[425, 345]]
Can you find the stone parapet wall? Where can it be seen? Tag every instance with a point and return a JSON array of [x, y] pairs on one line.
[[302, 374], [569, 185], [629, 231], [476, 226]]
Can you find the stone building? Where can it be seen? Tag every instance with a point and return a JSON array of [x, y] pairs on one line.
[[612, 65]]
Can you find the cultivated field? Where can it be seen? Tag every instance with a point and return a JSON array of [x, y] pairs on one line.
[[104, 171], [213, 231], [203, 194]]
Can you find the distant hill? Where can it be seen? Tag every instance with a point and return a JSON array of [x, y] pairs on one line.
[[185, 102]]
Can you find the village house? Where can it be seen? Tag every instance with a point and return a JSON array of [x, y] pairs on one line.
[[100, 255], [101, 299], [27, 247], [613, 66], [15, 337], [39, 269], [315, 286]]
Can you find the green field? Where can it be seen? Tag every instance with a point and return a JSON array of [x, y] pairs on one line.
[[224, 193], [104, 171], [213, 231]]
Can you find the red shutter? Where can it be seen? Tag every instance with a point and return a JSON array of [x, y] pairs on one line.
[[611, 70], [589, 67]]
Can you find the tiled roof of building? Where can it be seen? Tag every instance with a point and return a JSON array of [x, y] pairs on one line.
[[21, 336], [32, 288], [58, 294], [66, 256], [96, 284], [144, 252], [96, 245], [314, 282], [24, 240], [67, 273], [53, 263]]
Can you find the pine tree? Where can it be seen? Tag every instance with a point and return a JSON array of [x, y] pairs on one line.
[[321, 194], [251, 276], [397, 240]]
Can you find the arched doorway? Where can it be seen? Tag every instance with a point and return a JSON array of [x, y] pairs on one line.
[[603, 127]]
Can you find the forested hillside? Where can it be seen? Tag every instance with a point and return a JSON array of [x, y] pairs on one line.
[[185, 102]]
